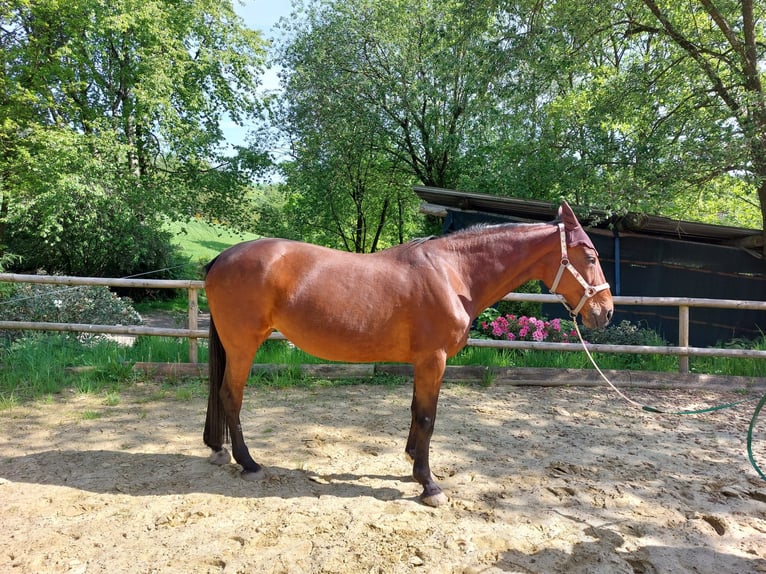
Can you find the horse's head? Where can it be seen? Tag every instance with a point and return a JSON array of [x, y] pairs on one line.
[[579, 281]]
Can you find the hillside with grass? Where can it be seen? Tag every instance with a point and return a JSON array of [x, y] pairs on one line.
[[202, 241]]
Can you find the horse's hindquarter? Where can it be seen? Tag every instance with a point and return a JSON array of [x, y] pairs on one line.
[[338, 305]]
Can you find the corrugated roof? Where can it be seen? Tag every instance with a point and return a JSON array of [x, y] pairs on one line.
[[535, 210]]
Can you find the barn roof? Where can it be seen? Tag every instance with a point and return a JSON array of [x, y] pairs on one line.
[[438, 201]]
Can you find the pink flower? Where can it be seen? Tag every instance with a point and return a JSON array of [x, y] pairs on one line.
[[538, 335], [511, 337], [523, 331]]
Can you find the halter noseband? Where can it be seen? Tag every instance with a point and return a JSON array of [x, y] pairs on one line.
[[590, 290]]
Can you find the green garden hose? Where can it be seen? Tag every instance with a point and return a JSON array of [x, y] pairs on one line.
[[649, 409]]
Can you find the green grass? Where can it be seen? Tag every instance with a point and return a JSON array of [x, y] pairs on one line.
[[726, 365], [162, 350], [569, 360], [202, 241], [178, 305], [42, 365]]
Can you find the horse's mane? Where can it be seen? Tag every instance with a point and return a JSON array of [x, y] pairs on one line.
[[420, 240], [479, 228], [482, 225], [476, 229]]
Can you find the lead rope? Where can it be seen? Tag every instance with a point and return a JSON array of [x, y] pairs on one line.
[[650, 409]]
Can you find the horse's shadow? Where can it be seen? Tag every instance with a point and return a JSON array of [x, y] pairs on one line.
[[146, 474]]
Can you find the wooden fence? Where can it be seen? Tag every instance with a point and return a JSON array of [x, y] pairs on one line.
[[683, 351]]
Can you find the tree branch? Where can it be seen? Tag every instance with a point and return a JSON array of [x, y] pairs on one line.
[[696, 54]]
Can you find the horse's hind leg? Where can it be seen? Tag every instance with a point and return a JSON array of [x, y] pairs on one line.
[[428, 378], [229, 370], [232, 393]]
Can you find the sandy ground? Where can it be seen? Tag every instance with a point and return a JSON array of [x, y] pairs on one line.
[[544, 480]]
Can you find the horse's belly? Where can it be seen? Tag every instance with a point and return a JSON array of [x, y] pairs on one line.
[[350, 346]]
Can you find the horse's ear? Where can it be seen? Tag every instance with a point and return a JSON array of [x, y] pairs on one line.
[[575, 233], [567, 216]]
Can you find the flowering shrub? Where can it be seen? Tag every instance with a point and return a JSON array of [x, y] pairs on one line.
[[513, 328]]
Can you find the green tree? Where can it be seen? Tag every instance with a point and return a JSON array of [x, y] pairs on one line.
[[135, 93], [378, 95], [725, 46], [607, 108], [622, 106]]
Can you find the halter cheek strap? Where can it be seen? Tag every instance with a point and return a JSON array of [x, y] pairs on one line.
[[589, 290]]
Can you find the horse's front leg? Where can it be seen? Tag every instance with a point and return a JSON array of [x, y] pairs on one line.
[[428, 379]]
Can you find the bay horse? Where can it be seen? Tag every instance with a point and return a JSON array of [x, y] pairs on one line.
[[412, 303]]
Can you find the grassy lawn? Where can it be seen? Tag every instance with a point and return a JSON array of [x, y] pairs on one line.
[[202, 241]]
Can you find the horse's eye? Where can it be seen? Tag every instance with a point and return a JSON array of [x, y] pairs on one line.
[[591, 260]]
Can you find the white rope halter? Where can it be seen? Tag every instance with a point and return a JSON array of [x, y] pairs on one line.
[[590, 290]]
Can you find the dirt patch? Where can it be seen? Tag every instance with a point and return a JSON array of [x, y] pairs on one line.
[[540, 480]]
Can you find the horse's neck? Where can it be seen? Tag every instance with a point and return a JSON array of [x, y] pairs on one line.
[[498, 262]]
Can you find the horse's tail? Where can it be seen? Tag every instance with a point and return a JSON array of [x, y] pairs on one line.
[[216, 429]]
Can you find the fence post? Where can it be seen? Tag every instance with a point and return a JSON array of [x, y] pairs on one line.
[[193, 314], [683, 337]]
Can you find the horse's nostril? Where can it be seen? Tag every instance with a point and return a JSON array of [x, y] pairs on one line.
[[609, 314]]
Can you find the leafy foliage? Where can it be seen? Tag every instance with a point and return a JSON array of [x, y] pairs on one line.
[[630, 106], [624, 333], [378, 95], [110, 121], [622, 107], [62, 304]]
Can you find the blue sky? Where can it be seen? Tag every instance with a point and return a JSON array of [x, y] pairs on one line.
[[259, 15], [262, 14]]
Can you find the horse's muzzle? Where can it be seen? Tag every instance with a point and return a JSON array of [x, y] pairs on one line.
[[597, 318]]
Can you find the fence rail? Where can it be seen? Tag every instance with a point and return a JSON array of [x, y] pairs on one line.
[[683, 351]]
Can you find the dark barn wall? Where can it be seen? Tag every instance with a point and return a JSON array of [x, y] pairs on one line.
[[660, 267]]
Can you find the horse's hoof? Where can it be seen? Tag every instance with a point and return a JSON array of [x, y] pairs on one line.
[[253, 475], [220, 457], [434, 500]]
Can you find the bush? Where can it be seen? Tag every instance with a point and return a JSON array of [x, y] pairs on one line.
[[521, 308], [63, 304], [495, 325], [625, 333], [91, 234], [514, 328]]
